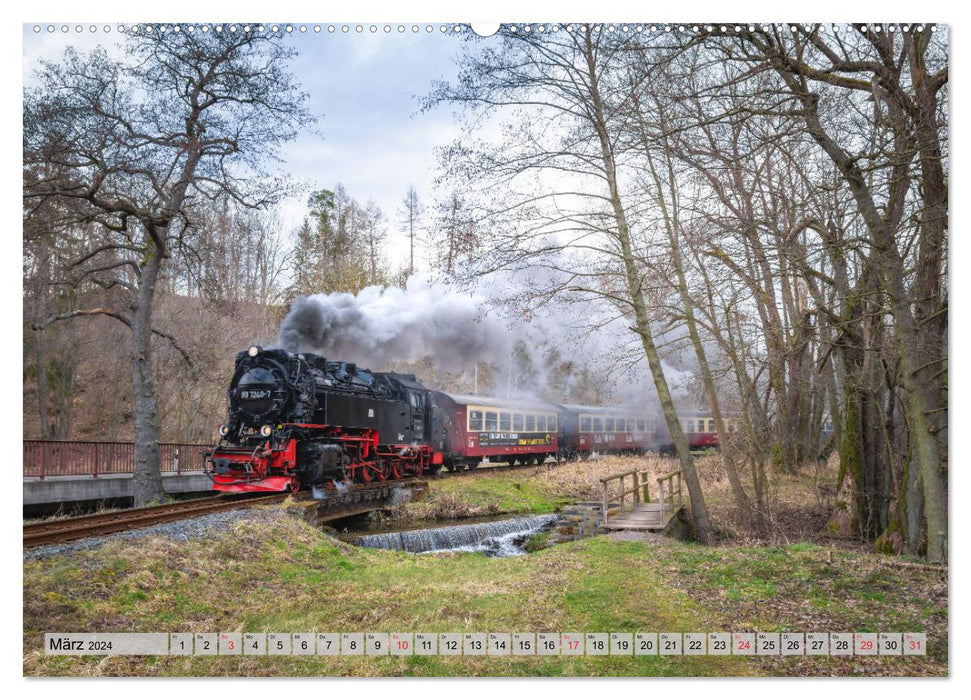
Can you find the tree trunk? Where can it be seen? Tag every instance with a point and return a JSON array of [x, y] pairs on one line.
[[699, 510], [147, 480]]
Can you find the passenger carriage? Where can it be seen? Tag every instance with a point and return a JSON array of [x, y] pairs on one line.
[[506, 430], [606, 430]]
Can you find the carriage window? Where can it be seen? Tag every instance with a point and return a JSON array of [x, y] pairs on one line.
[[491, 421], [650, 425], [598, 425], [585, 424], [505, 422], [540, 424], [711, 425], [530, 423], [517, 422], [631, 427], [691, 426], [475, 420], [551, 423], [640, 425], [609, 425]]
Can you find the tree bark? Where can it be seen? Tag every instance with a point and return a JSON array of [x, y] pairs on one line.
[[147, 480]]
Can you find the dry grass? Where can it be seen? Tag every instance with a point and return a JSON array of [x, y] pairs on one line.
[[581, 480]]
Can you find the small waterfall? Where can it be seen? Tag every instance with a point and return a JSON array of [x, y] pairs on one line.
[[498, 538]]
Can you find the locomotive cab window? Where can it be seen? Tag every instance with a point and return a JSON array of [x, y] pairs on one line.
[[530, 424], [491, 421], [504, 422], [585, 424], [517, 422], [475, 420], [416, 400]]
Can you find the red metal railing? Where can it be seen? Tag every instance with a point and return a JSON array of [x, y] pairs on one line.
[[43, 458]]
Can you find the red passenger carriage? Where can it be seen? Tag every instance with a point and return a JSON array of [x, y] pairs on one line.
[[606, 430], [507, 430]]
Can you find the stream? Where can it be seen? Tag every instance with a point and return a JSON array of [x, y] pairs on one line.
[[495, 538]]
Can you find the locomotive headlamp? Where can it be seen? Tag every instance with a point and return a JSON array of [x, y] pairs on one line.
[[266, 430], [254, 350], [224, 430]]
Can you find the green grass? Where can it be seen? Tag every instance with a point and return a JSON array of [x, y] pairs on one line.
[[283, 575], [508, 492]]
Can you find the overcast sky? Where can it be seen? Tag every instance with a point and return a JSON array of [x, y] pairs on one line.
[[364, 88]]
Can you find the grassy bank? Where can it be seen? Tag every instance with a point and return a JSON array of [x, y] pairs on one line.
[[271, 573], [537, 490]]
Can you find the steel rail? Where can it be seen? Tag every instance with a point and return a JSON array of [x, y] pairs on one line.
[[52, 532]]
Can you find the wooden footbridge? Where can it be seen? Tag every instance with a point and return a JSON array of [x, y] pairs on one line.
[[639, 512]]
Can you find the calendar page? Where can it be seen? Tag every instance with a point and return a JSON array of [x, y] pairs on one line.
[[611, 348]]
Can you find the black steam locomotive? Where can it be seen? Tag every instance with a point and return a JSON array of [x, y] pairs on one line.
[[298, 419]]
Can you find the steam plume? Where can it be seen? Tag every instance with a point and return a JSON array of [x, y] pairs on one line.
[[381, 325]]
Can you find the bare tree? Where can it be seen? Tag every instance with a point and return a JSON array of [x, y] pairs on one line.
[[904, 74], [566, 90], [411, 212], [374, 237], [135, 146], [455, 235]]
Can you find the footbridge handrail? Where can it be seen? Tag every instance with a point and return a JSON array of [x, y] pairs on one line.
[[639, 489]]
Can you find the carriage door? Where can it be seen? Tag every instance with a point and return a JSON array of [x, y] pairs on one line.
[[417, 402]]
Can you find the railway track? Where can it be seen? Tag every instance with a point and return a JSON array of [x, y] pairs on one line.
[[57, 531]]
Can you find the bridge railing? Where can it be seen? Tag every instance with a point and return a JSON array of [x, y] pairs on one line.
[[44, 458], [672, 490], [638, 490]]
